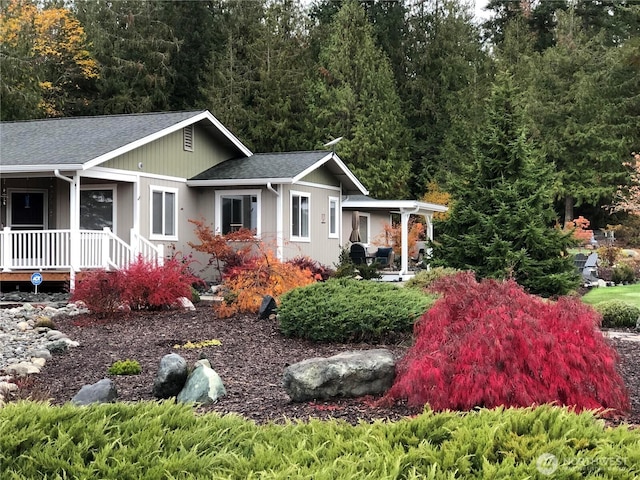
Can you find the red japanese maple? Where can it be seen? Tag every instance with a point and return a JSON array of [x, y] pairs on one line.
[[490, 343]]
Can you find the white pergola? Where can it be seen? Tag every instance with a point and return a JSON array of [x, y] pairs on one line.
[[405, 208]]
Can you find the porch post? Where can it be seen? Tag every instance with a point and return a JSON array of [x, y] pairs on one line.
[[404, 254], [6, 249], [74, 227]]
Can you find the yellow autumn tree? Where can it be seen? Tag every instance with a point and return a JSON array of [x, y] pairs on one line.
[[45, 61], [435, 194]]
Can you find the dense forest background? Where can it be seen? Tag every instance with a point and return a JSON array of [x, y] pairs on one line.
[[406, 82]]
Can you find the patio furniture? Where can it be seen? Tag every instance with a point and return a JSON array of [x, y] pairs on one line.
[[358, 254], [384, 258]]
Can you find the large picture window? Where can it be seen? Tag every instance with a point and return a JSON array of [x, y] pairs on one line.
[[164, 212], [238, 209], [300, 216], [97, 208]]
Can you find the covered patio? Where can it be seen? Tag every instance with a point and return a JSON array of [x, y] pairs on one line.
[[372, 215]]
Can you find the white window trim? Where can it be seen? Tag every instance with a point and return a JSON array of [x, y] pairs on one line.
[[45, 204], [114, 189], [292, 237], [157, 188], [336, 201], [368, 215], [230, 193]]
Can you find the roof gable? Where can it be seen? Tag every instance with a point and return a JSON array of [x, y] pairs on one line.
[[76, 143], [285, 167]]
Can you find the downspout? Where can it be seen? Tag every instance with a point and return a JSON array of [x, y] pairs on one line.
[[74, 225], [279, 223], [404, 254]]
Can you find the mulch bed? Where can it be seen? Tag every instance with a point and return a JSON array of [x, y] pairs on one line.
[[250, 361]]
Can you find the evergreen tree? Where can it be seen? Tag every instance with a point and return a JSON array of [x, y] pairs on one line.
[[135, 48], [501, 222], [577, 110], [354, 96]]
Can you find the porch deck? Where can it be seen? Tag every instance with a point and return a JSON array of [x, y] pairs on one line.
[[61, 254]]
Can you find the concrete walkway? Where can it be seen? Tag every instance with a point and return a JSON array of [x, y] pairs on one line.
[[627, 336]]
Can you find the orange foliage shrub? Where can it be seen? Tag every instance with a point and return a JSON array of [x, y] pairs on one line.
[[392, 236], [245, 285]]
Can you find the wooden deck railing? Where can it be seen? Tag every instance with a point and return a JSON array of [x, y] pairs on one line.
[[74, 251]]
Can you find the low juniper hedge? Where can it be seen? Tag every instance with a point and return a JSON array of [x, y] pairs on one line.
[[164, 440], [489, 344], [617, 313], [342, 310]]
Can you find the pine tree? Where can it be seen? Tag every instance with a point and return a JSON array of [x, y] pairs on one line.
[[501, 222], [354, 96]]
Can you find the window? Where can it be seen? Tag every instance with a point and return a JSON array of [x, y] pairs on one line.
[[364, 227], [238, 209], [299, 216], [97, 208], [333, 217], [187, 138], [164, 212]]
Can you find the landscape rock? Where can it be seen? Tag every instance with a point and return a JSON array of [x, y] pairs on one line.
[[171, 377], [348, 374], [103, 391], [204, 385], [22, 369], [267, 307], [186, 304]]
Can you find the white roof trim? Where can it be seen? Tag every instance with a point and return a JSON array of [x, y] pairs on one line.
[[392, 205], [341, 166], [206, 115], [39, 168], [237, 182]]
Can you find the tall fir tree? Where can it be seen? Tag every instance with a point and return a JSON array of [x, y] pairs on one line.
[[354, 96], [501, 224]]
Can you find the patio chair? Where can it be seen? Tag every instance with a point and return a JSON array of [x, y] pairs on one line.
[[384, 258], [358, 254]]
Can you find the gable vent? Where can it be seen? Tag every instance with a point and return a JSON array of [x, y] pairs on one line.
[[187, 135]]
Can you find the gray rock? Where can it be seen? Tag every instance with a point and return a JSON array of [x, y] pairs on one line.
[[348, 374], [57, 346], [171, 377], [22, 369], [204, 386], [103, 391]]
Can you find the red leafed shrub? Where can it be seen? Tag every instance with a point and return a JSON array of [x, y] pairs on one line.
[[489, 344], [141, 286]]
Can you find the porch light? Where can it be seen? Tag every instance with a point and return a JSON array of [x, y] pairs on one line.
[[4, 197]]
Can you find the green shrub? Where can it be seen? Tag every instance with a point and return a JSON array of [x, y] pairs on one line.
[[125, 367], [424, 278], [195, 296], [147, 440], [623, 273], [616, 313], [350, 310]]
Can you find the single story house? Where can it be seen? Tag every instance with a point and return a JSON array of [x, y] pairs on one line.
[[94, 192]]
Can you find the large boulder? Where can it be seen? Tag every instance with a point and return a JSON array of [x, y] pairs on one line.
[[103, 391], [348, 374], [204, 385], [171, 377]]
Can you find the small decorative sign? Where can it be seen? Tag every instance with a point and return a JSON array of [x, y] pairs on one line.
[[36, 279]]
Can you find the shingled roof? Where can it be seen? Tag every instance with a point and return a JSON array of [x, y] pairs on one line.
[[285, 167], [80, 142]]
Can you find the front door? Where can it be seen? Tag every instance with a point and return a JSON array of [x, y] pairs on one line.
[[28, 209]]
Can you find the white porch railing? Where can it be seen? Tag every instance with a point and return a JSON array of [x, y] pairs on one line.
[[52, 249]]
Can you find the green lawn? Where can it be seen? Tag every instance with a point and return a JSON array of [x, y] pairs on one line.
[[627, 293]]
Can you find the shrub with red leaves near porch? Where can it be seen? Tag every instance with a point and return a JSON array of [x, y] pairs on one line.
[[489, 344], [142, 285]]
